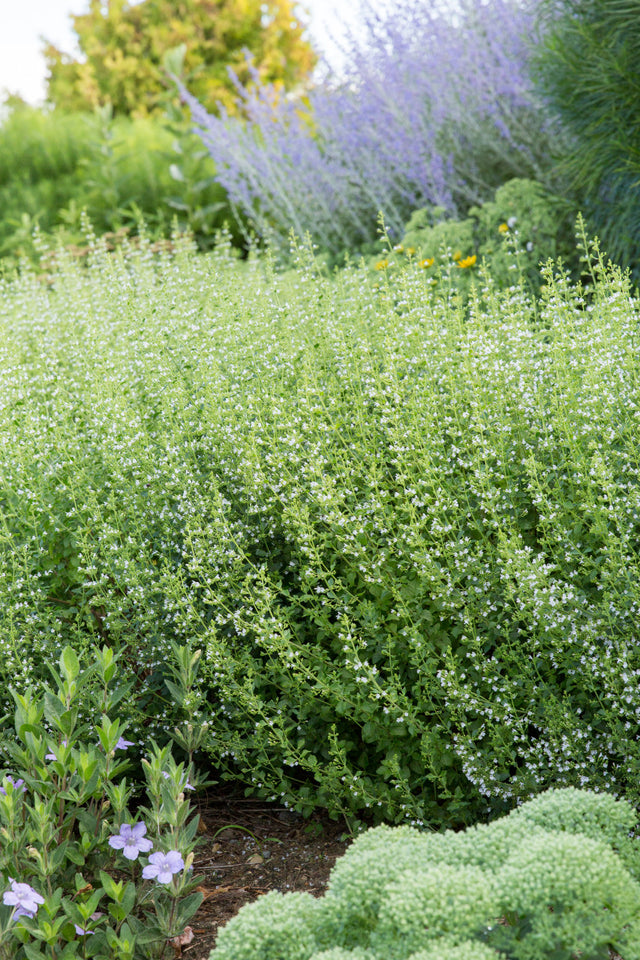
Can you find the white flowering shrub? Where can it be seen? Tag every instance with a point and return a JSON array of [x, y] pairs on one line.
[[401, 531], [557, 892]]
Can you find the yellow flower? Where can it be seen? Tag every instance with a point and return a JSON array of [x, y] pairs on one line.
[[468, 261], [410, 251], [427, 262], [457, 254], [504, 228], [382, 264]]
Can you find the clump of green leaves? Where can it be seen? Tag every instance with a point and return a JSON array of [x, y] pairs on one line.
[[57, 167], [523, 226], [71, 840], [552, 891]]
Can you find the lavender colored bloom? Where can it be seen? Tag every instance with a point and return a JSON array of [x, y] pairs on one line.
[[162, 866], [16, 784], [122, 744], [23, 897], [131, 840], [435, 108]]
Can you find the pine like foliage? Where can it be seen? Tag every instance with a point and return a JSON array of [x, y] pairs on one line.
[[588, 69]]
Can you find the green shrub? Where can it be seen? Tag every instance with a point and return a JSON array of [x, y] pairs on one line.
[[402, 531], [54, 166], [467, 950], [567, 895], [277, 927], [553, 893], [339, 953], [359, 879], [523, 226], [431, 903]]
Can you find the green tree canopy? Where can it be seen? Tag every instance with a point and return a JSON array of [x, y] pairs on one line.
[[122, 44]]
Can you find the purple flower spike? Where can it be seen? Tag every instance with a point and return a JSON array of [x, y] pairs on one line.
[[16, 784], [131, 840], [122, 744], [162, 866], [23, 897]]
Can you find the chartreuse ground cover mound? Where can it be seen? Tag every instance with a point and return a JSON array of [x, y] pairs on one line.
[[557, 877], [401, 529]]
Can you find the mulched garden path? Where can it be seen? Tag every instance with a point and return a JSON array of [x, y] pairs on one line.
[[248, 848]]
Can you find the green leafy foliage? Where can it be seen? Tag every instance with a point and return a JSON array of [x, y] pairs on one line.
[[401, 529], [277, 926], [399, 894], [55, 167], [123, 44], [523, 226], [64, 808], [586, 67]]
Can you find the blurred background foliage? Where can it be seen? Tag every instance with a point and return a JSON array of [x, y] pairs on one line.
[[112, 139], [587, 68], [122, 48], [551, 95], [121, 171]]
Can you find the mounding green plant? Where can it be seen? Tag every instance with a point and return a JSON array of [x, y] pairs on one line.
[[56, 167], [69, 858], [401, 529], [523, 226], [398, 894]]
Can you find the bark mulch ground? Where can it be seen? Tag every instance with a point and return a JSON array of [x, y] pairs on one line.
[[248, 848]]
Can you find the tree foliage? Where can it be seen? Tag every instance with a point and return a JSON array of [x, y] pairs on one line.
[[122, 44], [588, 70]]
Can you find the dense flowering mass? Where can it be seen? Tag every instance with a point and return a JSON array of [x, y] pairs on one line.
[[350, 491]]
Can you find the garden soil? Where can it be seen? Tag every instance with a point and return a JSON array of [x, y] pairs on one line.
[[247, 848]]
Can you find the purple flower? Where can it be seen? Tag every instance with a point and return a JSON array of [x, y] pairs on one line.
[[16, 784], [23, 897], [428, 112], [162, 866], [122, 744], [131, 840]]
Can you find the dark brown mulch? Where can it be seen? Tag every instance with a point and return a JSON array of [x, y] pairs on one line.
[[248, 848]]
